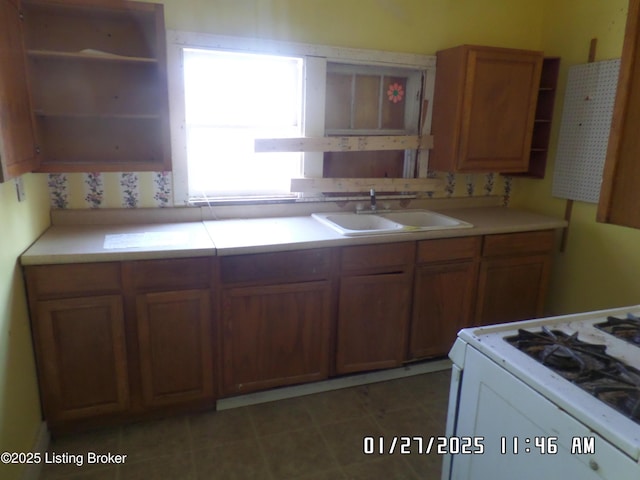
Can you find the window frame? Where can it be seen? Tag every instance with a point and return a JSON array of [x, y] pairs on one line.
[[315, 58]]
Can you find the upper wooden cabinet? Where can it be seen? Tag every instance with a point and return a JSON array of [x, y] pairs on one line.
[[17, 140], [99, 89], [619, 195], [484, 109]]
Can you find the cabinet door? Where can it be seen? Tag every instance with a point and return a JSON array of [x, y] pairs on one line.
[[17, 138], [512, 288], [176, 346], [442, 305], [499, 107], [373, 317], [275, 335], [619, 194], [80, 346], [484, 109]]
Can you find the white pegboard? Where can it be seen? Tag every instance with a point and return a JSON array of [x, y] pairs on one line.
[[584, 131]]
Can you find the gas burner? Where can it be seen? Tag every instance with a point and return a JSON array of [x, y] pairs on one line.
[[564, 353], [586, 365], [619, 387], [624, 328]]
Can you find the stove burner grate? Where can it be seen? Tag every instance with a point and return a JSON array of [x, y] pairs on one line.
[[627, 329], [564, 353], [586, 365]]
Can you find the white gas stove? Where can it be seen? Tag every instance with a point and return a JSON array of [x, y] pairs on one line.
[[548, 398]]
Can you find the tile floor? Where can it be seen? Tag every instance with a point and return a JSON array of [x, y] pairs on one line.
[[318, 436]]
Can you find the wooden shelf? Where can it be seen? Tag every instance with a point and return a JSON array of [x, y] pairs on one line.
[[18, 150], [83, 56], [543, 118], [124, 116], [98, 85]]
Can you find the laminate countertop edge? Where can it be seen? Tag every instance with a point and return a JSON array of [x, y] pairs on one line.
[[62, 244]]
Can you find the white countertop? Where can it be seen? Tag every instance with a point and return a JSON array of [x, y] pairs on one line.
[[102, 243], [97, 243]]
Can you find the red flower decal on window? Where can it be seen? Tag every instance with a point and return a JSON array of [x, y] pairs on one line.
[[395, 92]]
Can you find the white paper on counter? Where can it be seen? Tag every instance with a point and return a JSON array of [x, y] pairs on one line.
[[145, 240]]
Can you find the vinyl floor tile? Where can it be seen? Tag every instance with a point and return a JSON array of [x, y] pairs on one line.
[[314, 437], [232, 461], [76, 447], [156, 438], [173, 467], [336, 406], [346, 439], [386, 396], [280, 416], [213, 429], [384, 468], [293, 454]]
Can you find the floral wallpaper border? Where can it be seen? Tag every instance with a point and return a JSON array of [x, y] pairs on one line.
[[155, 189], [110, 190]]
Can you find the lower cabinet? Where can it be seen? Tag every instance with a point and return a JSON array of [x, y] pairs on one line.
[[275, 335], [276, 312], [373, 317], [82, 357], [443, 294], [374, 303], [122, 340], [175, 344], [514, 274]]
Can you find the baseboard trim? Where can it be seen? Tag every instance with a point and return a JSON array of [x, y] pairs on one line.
[[41, 445], [332, 384]]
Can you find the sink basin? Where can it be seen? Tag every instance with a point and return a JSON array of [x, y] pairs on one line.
[[354, 224], [425, 220], [349, 223]]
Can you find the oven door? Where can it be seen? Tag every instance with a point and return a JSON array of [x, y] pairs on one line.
[[524, 435]]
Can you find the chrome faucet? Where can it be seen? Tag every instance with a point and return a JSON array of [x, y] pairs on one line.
[[372, 193]]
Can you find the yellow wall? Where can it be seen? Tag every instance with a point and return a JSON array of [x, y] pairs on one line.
[[20, 224], [414, 26], [599, 268]]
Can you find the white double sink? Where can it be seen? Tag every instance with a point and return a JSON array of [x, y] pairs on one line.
[[367, 223]]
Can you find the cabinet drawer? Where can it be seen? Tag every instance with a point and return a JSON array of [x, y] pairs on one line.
[[518, 243], [78, 278], [172, 273], [372, 257], [448, 249], [276, 267]]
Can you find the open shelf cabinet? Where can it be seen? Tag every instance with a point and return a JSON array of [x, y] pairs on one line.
[[543, 118], [97, 71]]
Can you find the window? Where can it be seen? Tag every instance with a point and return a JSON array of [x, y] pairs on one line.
[[227, 91], [230, 100], [371, 100]]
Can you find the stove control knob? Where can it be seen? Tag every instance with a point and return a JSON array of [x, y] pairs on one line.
[[593, 464]]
